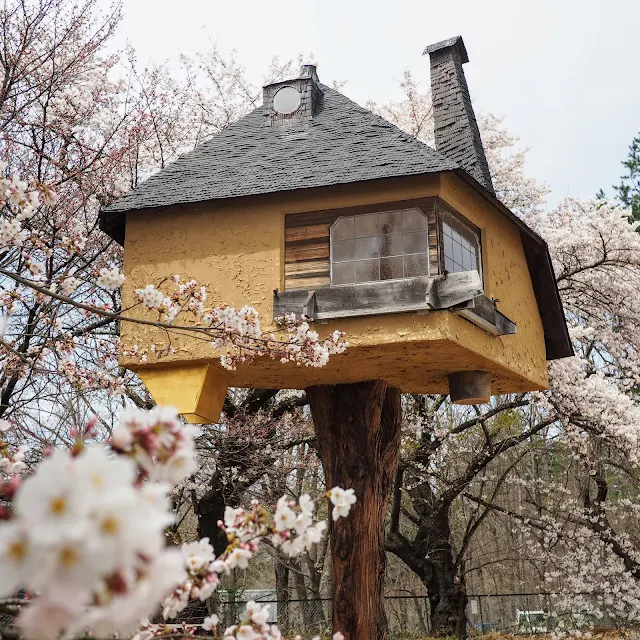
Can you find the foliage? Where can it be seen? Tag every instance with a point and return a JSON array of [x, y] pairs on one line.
[[629, 188]]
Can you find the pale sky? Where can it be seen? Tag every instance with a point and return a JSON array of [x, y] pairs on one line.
[[564, 73]]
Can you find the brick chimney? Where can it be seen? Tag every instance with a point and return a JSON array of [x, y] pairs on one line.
[[456, 130]]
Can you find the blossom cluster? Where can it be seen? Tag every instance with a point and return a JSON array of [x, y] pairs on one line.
[[85, 531], [110, 278], [162, 447], [235, 333], [293, 530], [20, 201], [88, 539]]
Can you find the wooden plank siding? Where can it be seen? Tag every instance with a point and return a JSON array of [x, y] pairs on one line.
[[306, 249]]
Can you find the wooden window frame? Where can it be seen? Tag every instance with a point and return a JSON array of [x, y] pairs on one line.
[[402, 255], [442, 208]]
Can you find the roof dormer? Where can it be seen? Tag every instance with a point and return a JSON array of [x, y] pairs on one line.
[[295, 100]]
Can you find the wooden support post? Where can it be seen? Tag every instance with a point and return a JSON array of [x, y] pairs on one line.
[[470, 387], [358, 431]]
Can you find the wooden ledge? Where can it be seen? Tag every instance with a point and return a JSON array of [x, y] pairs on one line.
[[458, 292]]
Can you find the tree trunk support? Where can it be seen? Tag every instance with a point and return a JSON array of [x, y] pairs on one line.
[[358, 431]]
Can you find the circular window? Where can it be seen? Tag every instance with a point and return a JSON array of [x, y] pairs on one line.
[[286, 100]]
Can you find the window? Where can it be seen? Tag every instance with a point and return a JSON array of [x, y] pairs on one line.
[[379, 246], [460, 245]]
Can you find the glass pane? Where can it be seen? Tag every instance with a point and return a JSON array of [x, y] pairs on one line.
[[390, 221], [448, 264], [367, 270], [344, 273], [448, 246], [415, 242], [390, 268], [474, 260], [391, 245], [366, 248], [414, 220], [367, 225], [343, 250], [342, 229], [457, 252], [416, 265]]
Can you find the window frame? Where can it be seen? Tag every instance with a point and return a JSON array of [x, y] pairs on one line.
[[400, 209], [443, 210]]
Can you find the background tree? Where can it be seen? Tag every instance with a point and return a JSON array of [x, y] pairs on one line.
[[629, 188]]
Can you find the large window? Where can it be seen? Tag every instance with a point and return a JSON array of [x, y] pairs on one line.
[[379, 246], [460, 245]]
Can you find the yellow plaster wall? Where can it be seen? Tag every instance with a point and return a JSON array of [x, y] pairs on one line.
[[237, 251]]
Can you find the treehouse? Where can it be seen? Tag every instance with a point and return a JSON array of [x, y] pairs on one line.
[[313, 205]]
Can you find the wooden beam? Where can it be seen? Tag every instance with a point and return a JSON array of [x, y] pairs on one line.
[[454, 288], [470, 387], [482, 312], [310, 306], [457, 292], [374, 298]]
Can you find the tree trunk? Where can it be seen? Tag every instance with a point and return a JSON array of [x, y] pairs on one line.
[[210, 510], [448, 602], [430, 555], [358, 431], [282, 595]]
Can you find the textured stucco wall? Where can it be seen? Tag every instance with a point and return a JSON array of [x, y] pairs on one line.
[[237, 251]]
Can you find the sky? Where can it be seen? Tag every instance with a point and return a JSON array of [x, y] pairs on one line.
[[563, 73]]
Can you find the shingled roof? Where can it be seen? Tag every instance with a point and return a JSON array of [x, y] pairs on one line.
[[343, 143]]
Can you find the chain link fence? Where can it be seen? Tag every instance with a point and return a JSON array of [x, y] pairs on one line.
[[408, 615]]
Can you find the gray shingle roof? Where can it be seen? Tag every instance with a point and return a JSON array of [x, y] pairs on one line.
[[343, 143]]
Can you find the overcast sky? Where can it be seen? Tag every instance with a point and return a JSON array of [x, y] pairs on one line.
[[564, 73]]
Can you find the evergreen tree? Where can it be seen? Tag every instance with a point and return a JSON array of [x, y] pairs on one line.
[[629, 188]]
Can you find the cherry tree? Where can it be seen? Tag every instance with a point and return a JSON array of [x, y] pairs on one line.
[[468, 458]]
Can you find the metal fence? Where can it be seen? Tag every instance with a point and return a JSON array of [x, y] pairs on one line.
[[407, 615]]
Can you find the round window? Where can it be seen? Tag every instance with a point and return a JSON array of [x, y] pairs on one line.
[[286, 100]]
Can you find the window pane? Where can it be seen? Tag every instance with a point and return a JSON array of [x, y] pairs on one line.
[[342, 229], [390, 222], [448, 264], [414, 220], [416, 265], [366, 225], [391, 245], [343, 250], [390, 268], [344, 273], [366, 248], [448, 246], [367, 270], [415, 242], [457, 252]]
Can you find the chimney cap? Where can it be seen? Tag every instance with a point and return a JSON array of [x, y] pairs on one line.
[[456, 42], [309, 71]]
